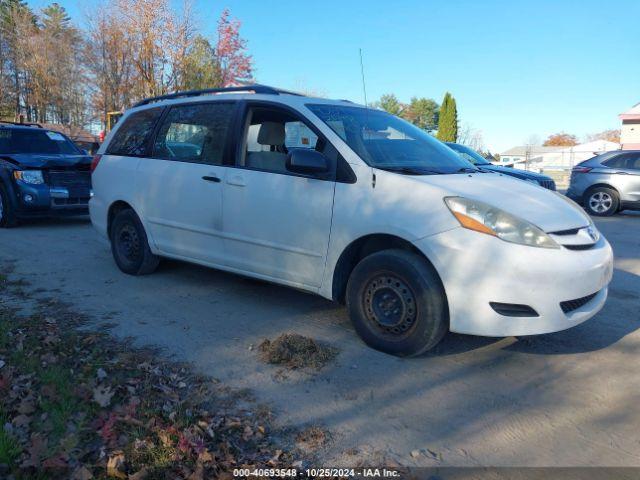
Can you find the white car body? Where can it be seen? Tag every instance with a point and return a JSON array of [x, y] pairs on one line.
[[293, 230]]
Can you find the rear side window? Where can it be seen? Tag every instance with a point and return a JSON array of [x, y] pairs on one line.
[[634, 161], [134, 135], [619, 161], [195, 133]]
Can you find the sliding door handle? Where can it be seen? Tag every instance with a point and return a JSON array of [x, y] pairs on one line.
[[209, 178]]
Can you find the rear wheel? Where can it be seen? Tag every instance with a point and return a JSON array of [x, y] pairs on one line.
[[7, 215], [602, 201], [130, 246], [397, 303]]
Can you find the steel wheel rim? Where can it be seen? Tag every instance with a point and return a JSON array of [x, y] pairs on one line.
[[390, 305], [600, 202], [129, 243]]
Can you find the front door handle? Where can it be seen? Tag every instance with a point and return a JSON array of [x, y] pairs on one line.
[[210, 178], [236, 180]]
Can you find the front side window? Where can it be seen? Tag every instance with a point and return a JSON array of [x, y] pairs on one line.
[[387, 142], [35, 141], [134, 135], [195, 133], [271, 134], [469, 154]]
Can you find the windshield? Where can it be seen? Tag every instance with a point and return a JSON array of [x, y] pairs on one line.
[[388, 142], [37, 141], [469, 154]]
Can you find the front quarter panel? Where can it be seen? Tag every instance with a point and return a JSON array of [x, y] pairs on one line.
[[396, 205]]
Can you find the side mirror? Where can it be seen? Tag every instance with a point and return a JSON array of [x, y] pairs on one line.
[[302, 160]]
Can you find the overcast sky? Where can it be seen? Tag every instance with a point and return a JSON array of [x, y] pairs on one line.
[[516, 68]]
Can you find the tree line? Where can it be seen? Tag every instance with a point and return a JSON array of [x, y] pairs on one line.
[[425, 113], [53, 71]]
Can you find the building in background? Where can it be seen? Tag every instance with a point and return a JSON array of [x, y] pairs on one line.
[[630, 132], [556, 162], [539, 159]]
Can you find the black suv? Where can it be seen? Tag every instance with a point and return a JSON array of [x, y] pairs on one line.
[[42, 173]]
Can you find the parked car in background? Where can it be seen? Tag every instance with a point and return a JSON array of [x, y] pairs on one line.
[[350, 203], [479, 161], [607, 183], [42, 173]]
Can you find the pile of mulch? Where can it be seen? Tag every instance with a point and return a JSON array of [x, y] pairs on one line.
[[296, 352], [81, 404]]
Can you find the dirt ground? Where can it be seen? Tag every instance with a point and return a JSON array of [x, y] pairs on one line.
[[565, 399]]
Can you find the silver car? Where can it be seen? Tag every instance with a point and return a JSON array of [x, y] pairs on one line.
[[607, 183]]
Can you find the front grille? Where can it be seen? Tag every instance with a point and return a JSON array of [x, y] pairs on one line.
[[548, 184], [69, 178], [571, 305], [76, 182], [60, 202]]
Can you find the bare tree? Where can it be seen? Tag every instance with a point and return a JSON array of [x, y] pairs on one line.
[[471, 137]]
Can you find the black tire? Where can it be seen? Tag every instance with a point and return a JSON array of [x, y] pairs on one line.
[[397, 303], [602, 201], [130, 246], [7, 215]]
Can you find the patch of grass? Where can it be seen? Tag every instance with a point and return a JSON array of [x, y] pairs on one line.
[[296, 351], [59, 403], [10, 449]]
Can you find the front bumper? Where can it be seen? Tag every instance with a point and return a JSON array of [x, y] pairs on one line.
[[477, 269], [44, 200]]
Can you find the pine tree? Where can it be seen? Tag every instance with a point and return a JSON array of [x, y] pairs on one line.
[[448, 123]]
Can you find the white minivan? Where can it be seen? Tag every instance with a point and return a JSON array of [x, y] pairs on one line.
[[351, 203]]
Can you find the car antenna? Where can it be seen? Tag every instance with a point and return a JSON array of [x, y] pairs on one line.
[[364, 85], [366, 104]]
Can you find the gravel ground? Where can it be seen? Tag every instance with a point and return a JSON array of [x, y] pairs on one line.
[[563, 399]]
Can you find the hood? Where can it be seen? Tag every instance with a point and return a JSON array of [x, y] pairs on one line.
[[45, 161], [514, 172], [547, 210]]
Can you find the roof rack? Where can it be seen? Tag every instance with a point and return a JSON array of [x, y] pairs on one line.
[[23, 124], [212, 91]]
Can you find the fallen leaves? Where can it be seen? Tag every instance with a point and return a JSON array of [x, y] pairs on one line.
[[296, 351], [84, 405], [116, 465]]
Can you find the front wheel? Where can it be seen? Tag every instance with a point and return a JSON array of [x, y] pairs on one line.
[[130, 246], [397, 303], [602, 201]]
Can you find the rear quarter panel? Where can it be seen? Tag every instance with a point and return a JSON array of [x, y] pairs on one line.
[[113, 180]]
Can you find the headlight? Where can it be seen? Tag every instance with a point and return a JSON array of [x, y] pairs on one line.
[[33, 177], [484, 218]]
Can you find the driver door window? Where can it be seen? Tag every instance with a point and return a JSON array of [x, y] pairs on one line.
[[271, 134]]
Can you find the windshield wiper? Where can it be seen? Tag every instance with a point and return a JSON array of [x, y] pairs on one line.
[[467, 170], [411, 170]]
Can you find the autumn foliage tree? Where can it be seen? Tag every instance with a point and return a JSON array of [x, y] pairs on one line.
[[561, 139], [612, 135], [53, 71], [234, 63]]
